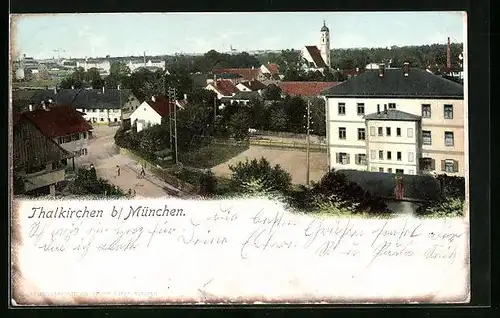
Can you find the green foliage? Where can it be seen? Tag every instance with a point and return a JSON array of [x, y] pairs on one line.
[[447, 207], [252, 175], [204, 181], [272, 92], [87, 183], [239, 124]]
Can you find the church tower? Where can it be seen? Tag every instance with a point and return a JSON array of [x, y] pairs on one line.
[[324, 46]]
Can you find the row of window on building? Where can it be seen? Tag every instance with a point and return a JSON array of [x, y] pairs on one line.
[[100, 110], [447, 165], [426, 109], [390, 170], [449, 138], [95, 120], [70, 138]]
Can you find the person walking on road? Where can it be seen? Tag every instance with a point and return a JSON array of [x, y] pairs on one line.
[[143, 173], [130, 192], [117, 170]]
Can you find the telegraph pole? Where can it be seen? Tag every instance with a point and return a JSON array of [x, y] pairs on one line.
[[173, 109], [308, 139], [215, 100], [169, 115]]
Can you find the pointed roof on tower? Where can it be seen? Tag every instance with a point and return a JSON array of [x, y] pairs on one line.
[[324, 28]]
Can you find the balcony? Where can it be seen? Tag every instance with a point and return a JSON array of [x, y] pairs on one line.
[[42, 178]]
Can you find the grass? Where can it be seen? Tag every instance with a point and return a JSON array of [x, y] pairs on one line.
[[211, 155]]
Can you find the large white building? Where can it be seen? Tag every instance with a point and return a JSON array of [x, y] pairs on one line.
[[396, 120], [318, 57]]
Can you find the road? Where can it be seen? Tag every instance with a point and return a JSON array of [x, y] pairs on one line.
[[105, 156]]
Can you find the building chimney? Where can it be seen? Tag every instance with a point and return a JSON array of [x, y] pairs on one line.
[[153, 98], [381, 70], [385, 108], [406, 69], [448, 56], [378, 109]]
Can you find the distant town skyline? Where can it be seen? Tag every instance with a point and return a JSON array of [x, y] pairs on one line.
[[131, 34]]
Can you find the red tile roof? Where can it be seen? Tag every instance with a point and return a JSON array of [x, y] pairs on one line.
[[316, 56], [58, 121], [247, 73], [273, 68], [225, 87], [306, 89], [254, 85], [160, 105]]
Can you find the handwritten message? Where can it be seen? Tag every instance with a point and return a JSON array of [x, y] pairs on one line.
[[172, 251]]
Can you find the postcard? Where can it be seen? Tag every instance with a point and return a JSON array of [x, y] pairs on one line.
[[243, 158]]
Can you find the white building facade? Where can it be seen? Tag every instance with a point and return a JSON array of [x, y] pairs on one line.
[[434, 144]]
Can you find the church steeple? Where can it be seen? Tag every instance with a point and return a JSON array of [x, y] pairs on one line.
[[324, 44], [324, 28]]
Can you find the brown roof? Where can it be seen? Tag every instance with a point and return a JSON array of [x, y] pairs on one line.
[[31, 147], [58, 121], [225, 87], [316, 55], [160, 105], [305, 88], [247, 73], [273, 68]]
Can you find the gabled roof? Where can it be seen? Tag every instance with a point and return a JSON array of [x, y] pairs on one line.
[[31, 148], [247, 73], [254, 85], [315, 55], [225, 87], [305, 88], [418, 84], [58, 121], [78, 98], [273, 68], [161, 105], [392, 114]]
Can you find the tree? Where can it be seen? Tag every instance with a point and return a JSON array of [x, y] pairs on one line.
[[278, 118], [239, 124], [259, 114], [119, 70], [87, 183], [318, 117], [272, 92], [296, 109], [272, 179], [207, 183]]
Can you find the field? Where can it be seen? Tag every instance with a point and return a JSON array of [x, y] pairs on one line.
[[293, 161]]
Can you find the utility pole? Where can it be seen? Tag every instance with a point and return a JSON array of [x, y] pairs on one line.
[[215, 100], [308, 139], [170, 119], [171, 101]]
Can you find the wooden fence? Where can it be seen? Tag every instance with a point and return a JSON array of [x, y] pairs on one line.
[[288, 144]]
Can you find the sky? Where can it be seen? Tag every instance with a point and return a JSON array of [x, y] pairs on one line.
[[118, 34]]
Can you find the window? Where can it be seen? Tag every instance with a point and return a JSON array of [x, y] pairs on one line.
[[448, 111], [115, 120], [410, 156], [389, 170], [372, 131], [409, 132], [380, 131], [380, 154], [341, 108], [75, 137], [60, 140], [361, 134], [144, 108], [361, 159], [84, 135], [398, 132], [361, 109], [388, 131], [449, 165], [392, 105], [342, 133], [389, 155], [342, 158], [398, 155], [426, 110], [448, 138], [102, 119], [94, 110], [83, 110], [400, 171], [380, 169], [426, 137], [427, 164], [373, 154]]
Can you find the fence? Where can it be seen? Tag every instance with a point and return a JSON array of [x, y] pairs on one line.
[[282, 134], [288, 144], [161, 173]]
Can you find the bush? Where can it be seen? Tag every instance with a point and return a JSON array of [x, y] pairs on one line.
[[448, 207], [253, 175], [87, 183]]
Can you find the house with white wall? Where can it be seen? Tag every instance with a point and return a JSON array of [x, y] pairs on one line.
[[223, 88], [102, 65], [438, 101], [151, 112]]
